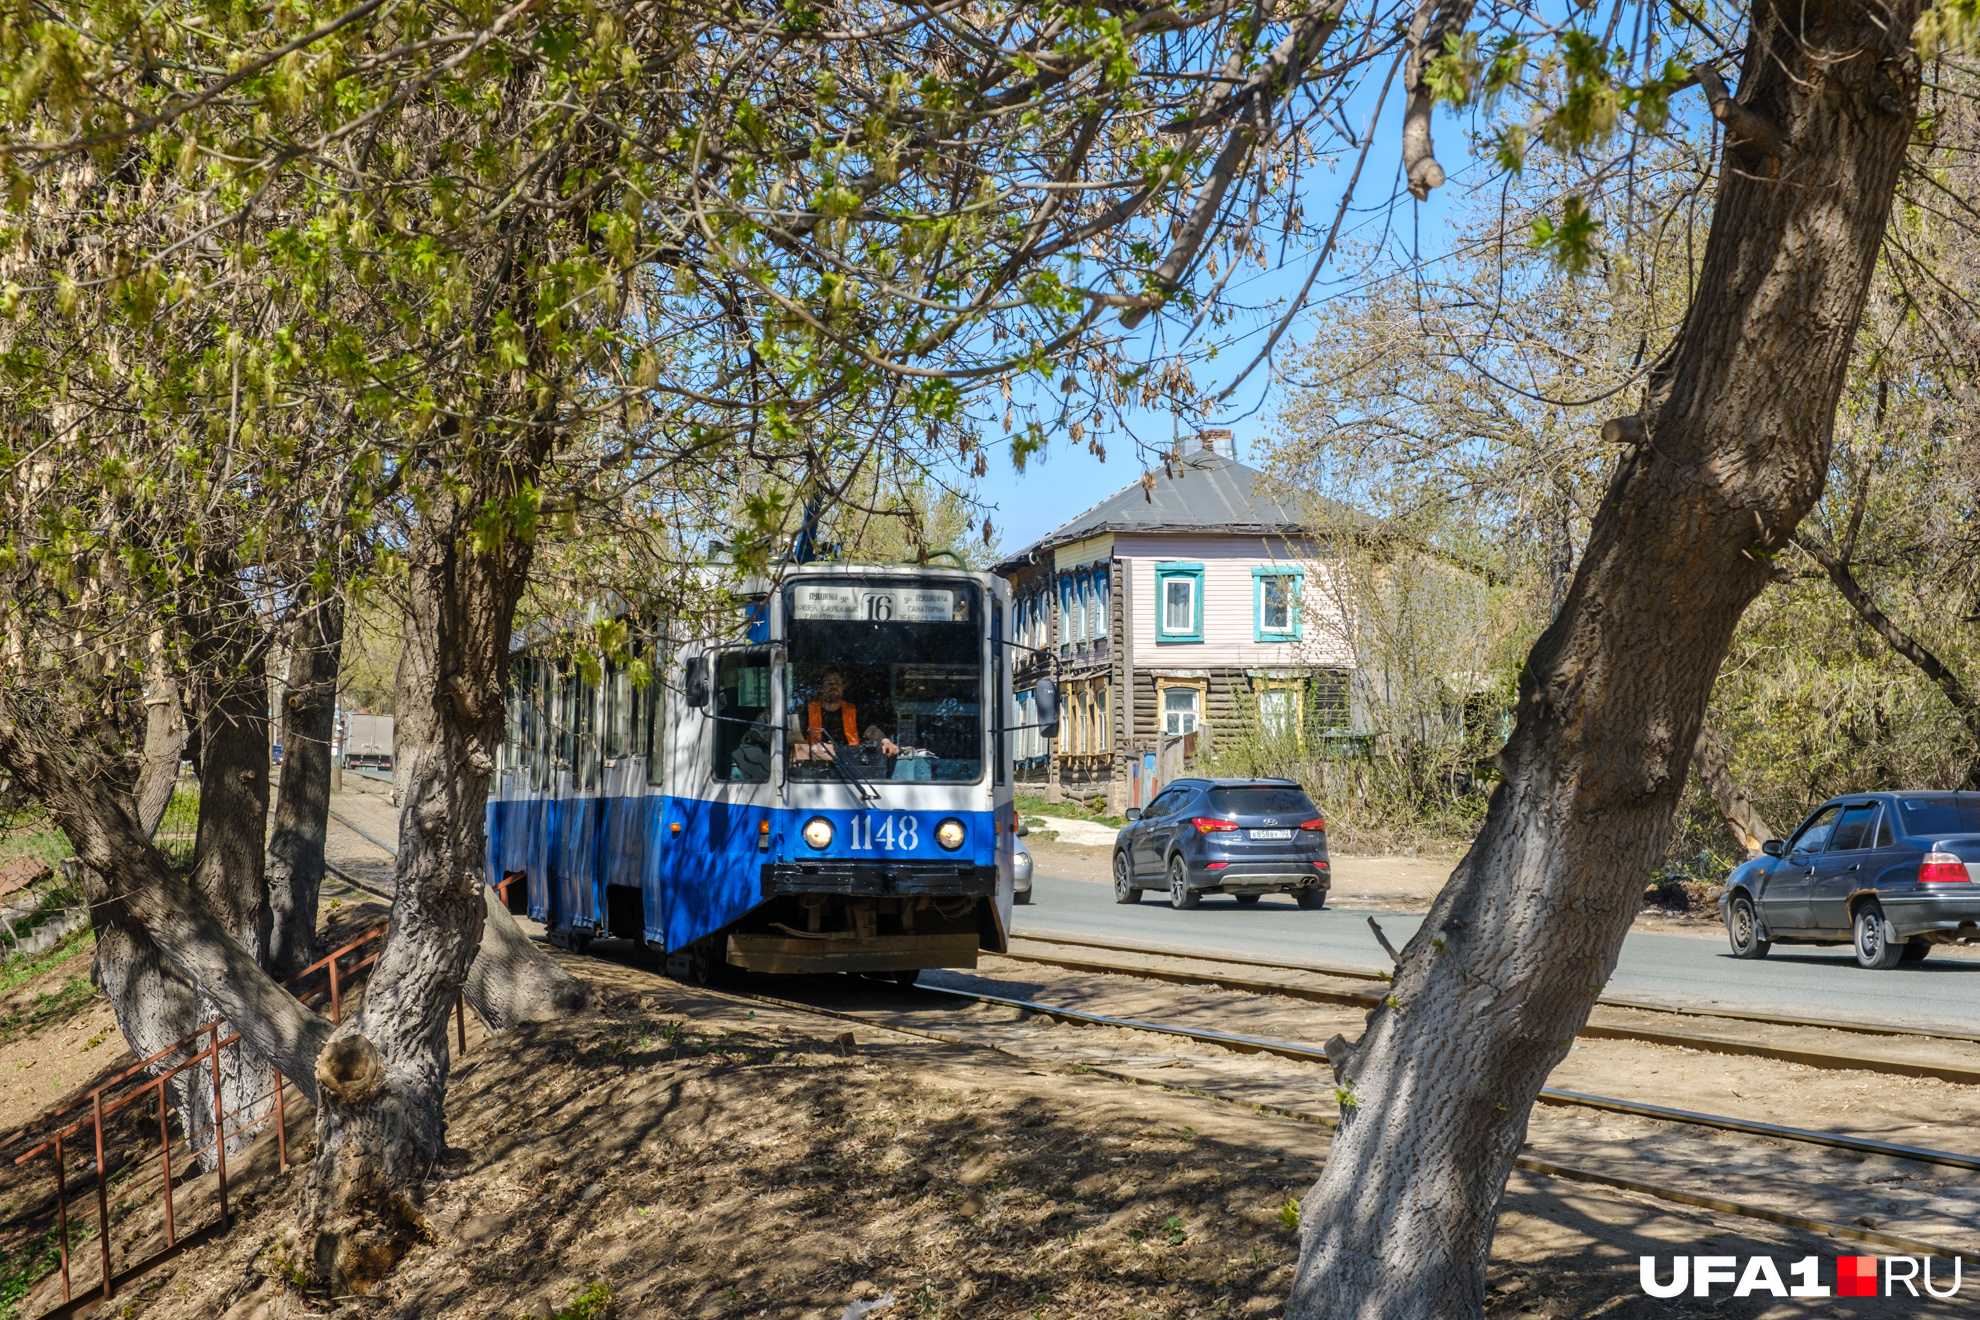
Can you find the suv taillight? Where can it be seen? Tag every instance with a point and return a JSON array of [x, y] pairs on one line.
[[1940, 868], [1206, 824], [1317, 823]]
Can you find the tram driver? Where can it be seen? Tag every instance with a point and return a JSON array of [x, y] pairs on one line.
[[828, 722]]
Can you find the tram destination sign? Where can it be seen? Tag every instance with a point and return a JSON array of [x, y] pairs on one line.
[[874, 604]]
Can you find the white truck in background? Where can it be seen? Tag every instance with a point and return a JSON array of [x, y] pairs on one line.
[[367, 742]]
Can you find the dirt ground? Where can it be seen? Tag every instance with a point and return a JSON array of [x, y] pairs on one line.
[[56, 1032], [700, 1156]]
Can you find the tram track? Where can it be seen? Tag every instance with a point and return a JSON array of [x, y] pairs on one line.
[[1548, 1095], [1527, 1162], [1813, 1058]]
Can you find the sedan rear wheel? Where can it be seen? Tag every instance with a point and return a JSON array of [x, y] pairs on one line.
[[1246, 900], [1312, 900], [1875, 947], [1743, 928], [1916, 951], [1124, 890], [1181, 896]]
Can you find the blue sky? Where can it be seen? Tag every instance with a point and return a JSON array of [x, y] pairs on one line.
[[1065, 479]]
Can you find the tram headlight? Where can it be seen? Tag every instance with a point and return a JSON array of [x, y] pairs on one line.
[[818, 833], [950, 834]]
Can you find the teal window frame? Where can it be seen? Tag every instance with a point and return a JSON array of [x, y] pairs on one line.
[[1259, 632], [1164, 571]]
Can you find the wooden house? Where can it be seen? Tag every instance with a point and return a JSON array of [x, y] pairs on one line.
[[1187, 601]]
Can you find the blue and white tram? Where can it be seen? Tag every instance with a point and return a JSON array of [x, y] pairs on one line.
[[828, 790]]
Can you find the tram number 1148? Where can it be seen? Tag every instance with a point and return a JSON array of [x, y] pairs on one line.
[[892, 834]]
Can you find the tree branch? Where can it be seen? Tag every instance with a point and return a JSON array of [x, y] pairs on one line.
[[1898, 639], [1746, 127], [1734, 807], [1435, 20]]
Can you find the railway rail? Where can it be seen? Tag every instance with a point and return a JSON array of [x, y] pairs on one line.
[[1813, 1058], [1529, 1163]]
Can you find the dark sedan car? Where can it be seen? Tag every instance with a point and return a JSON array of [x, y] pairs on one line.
[[1243, 837], [1891, 873]]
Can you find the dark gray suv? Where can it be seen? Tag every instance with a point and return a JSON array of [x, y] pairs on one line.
[[1243, 837]]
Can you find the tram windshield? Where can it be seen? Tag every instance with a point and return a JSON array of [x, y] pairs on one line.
[[886, 681]]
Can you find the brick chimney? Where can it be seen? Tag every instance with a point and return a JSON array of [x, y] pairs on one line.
[[1219, 441]]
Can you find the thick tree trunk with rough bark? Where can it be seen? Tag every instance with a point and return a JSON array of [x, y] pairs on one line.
[[229, 877], [302, 803], [1727, 454], [383, 1076], [154, 1004]]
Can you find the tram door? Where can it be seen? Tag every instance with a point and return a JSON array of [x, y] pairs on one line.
[[718, 826]]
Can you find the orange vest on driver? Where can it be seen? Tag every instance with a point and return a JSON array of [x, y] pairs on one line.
[[846, 713]]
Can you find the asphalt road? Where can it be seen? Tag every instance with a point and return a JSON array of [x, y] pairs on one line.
[[1942, 992]]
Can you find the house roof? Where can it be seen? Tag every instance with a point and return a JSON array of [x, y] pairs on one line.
[[1203, 492]]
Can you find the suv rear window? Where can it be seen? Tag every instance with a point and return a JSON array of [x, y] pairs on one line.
[[1263, 800], [1928, 816]]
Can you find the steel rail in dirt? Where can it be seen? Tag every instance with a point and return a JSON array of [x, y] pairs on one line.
[[1659, 1191], [1704, 1044], [360, 831], [1359, 974]]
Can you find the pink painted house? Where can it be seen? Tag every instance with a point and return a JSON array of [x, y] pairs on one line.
[[1171, 609]]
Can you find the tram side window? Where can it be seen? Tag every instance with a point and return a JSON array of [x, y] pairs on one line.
[[537, 736], [618, 687], [589, 765], [515, 751], [742, 709], [650, 739], [997, 685]]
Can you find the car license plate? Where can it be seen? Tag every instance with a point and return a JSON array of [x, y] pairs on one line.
[[1271, 834]]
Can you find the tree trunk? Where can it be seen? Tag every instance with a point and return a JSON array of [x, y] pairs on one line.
[[164, 740], [153, 1003], [383, 1076], [302, 805], [1727, 454], [511, 980], [229, 874], [1741, 819]]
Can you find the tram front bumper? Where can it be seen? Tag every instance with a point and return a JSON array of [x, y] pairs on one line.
[[880, 879]]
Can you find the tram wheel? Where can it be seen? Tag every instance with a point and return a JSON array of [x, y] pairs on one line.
[[905, 980]]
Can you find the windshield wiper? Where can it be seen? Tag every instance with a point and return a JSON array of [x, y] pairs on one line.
[[866, 791]]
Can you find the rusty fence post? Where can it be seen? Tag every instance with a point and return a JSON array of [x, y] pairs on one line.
[[336, 1004], [62, 1212], [165, 1163], [102, 1196], [281, 1128], [219, 1129]]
